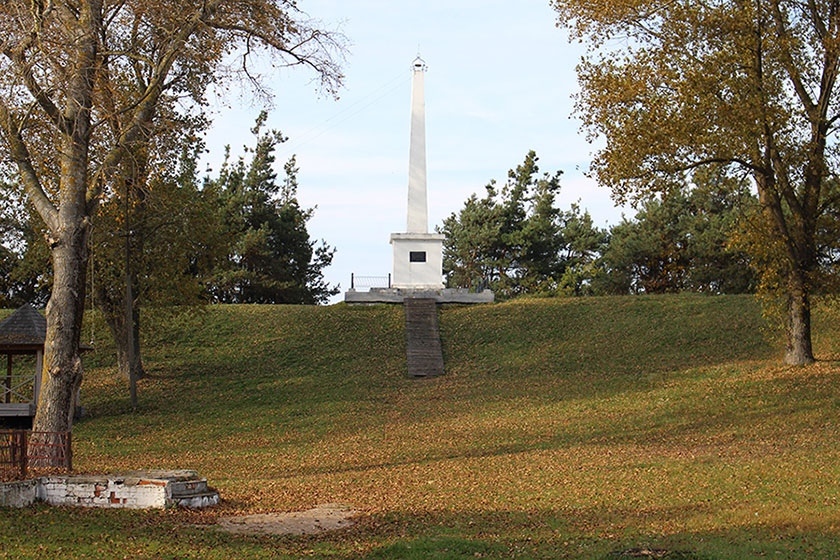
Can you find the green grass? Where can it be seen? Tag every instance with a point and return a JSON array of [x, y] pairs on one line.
[[564, 428]]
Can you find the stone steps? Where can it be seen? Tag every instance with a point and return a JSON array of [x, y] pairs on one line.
[[424, 355], [191, 493], [188, 487], [195, 500]]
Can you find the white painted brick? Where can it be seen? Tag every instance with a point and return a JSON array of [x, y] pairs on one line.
[[134, 490]]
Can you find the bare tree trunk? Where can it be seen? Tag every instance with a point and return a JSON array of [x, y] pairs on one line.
[[69, 233], [138, 181], [139, 372], [798, 349], [115, 318], [62, 373], [111, 299], [798, 237]]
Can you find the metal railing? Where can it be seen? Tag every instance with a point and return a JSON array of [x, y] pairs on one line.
[[21, 450], [367, 282]]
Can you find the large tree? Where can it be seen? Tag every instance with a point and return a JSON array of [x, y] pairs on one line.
[[750, 85], [67, 69], [271, 258]]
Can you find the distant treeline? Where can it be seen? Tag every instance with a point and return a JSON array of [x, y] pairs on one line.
[[515, 241]]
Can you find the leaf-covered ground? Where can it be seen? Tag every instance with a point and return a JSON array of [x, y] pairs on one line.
[[564, 428]]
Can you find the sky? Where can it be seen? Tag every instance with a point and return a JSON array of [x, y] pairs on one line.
[[500, 82]]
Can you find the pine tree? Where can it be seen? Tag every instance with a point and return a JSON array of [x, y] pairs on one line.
[[272, 259]]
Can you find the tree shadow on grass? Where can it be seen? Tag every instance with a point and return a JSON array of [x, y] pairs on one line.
[[596, 534], [804, 401]]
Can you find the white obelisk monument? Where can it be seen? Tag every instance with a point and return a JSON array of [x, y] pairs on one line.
[[418, 254]]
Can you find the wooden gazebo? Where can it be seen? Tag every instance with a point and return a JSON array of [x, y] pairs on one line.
[[22, 333]]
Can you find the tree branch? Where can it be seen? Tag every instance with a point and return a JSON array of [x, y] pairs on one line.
[[330, 76], [29, 177], [709, 161], [819, 25], [783, 181], [18, 59], [146, 104], [788, 62]]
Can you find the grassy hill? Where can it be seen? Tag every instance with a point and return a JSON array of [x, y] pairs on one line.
[[574, 428]]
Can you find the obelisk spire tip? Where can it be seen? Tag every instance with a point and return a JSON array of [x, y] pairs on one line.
[[419, 65], [417, 211]]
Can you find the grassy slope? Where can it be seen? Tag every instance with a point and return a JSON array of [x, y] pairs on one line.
[[563, 428]]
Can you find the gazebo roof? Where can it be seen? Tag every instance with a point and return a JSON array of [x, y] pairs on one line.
[[25, 328]]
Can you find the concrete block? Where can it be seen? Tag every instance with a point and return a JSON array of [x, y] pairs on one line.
[[18, 494]]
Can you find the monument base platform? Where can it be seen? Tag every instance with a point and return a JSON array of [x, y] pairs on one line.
[[398, 295]]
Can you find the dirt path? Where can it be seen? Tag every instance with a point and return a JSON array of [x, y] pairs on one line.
[[324, 517]]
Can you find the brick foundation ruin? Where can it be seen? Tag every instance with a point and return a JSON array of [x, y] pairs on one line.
[[136, 490]]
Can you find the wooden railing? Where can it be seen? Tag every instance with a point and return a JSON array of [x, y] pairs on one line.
[[17, 388], [22, 450]]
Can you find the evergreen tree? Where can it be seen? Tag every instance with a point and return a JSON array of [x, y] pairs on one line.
[[515, 239], [581, 245], [679, 242], [272, 259]]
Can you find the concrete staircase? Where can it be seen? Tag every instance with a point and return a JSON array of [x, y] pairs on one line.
[[422, 338], [192, 493]]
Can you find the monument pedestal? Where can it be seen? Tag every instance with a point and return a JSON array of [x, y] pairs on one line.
[[398, 295], [418, 261]]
